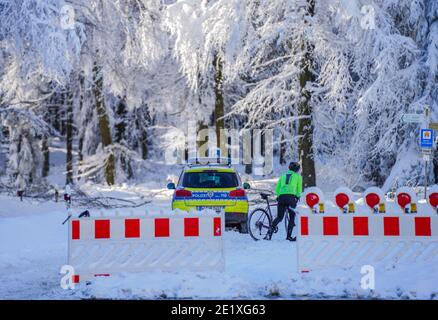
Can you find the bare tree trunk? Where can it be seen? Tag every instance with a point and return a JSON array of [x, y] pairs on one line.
[[305, 127], [144, 145], [46, 157], [282, 150], [219, 108], [69, 138], [120, 136], [144, 141], [435, 167], [248, 166], [81, 134], [143, 121], [80, 156], [104, 125]]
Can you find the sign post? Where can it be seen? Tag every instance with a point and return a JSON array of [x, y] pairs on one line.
[[427, 141], [427, 137]]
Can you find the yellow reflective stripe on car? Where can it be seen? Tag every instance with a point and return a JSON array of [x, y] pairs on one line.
[[202, 169], [239, 206]]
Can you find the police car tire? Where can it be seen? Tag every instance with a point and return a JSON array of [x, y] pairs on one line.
[[244, 227]]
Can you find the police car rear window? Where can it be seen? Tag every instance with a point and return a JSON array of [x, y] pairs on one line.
[[210, 179]]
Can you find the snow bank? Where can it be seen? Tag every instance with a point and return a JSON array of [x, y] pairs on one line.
[[277, 279]]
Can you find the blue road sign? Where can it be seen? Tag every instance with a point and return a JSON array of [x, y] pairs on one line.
[[426, 138]]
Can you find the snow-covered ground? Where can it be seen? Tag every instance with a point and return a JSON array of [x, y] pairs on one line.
[[33, 247]]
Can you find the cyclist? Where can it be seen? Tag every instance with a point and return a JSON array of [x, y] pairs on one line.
[[288, 192]]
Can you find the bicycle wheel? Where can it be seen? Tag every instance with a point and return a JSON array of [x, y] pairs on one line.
[[259, 223]]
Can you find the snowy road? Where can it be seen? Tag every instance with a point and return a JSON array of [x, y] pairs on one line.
[[33, 248]]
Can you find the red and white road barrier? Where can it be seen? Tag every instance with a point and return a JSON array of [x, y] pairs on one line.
[[379, 230], [100, 246]]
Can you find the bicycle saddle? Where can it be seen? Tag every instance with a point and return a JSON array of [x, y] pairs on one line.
[[264, 196]]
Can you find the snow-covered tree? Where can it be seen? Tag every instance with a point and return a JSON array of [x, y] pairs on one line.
[[122, 45], [34, 47], [371, 72], [122, 79], [207, 38], [24, 152]]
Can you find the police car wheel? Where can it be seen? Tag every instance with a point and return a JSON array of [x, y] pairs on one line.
[[243, 228]]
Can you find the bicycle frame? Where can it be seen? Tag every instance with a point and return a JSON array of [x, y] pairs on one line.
[[268, 209], [262, 224]]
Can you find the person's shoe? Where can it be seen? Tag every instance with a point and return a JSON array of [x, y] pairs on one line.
[[268, 235], [291, 238]]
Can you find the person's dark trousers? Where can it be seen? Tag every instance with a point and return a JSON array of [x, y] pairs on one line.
[[291, 225], [284, 201]]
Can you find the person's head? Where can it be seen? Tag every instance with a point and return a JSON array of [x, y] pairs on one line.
[[294, 166]]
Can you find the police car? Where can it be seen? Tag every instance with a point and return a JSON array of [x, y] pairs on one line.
[[212, 183]]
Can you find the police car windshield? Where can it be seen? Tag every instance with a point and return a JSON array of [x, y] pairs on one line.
[[210, 179]]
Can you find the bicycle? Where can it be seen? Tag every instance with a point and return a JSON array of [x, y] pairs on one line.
[[260, 220]]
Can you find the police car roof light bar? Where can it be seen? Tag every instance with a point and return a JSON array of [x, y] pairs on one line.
[[209, 161]]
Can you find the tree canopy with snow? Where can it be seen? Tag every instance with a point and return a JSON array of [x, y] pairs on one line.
[[119, 84]]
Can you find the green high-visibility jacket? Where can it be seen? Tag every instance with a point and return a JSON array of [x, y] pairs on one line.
[[289, 183]]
